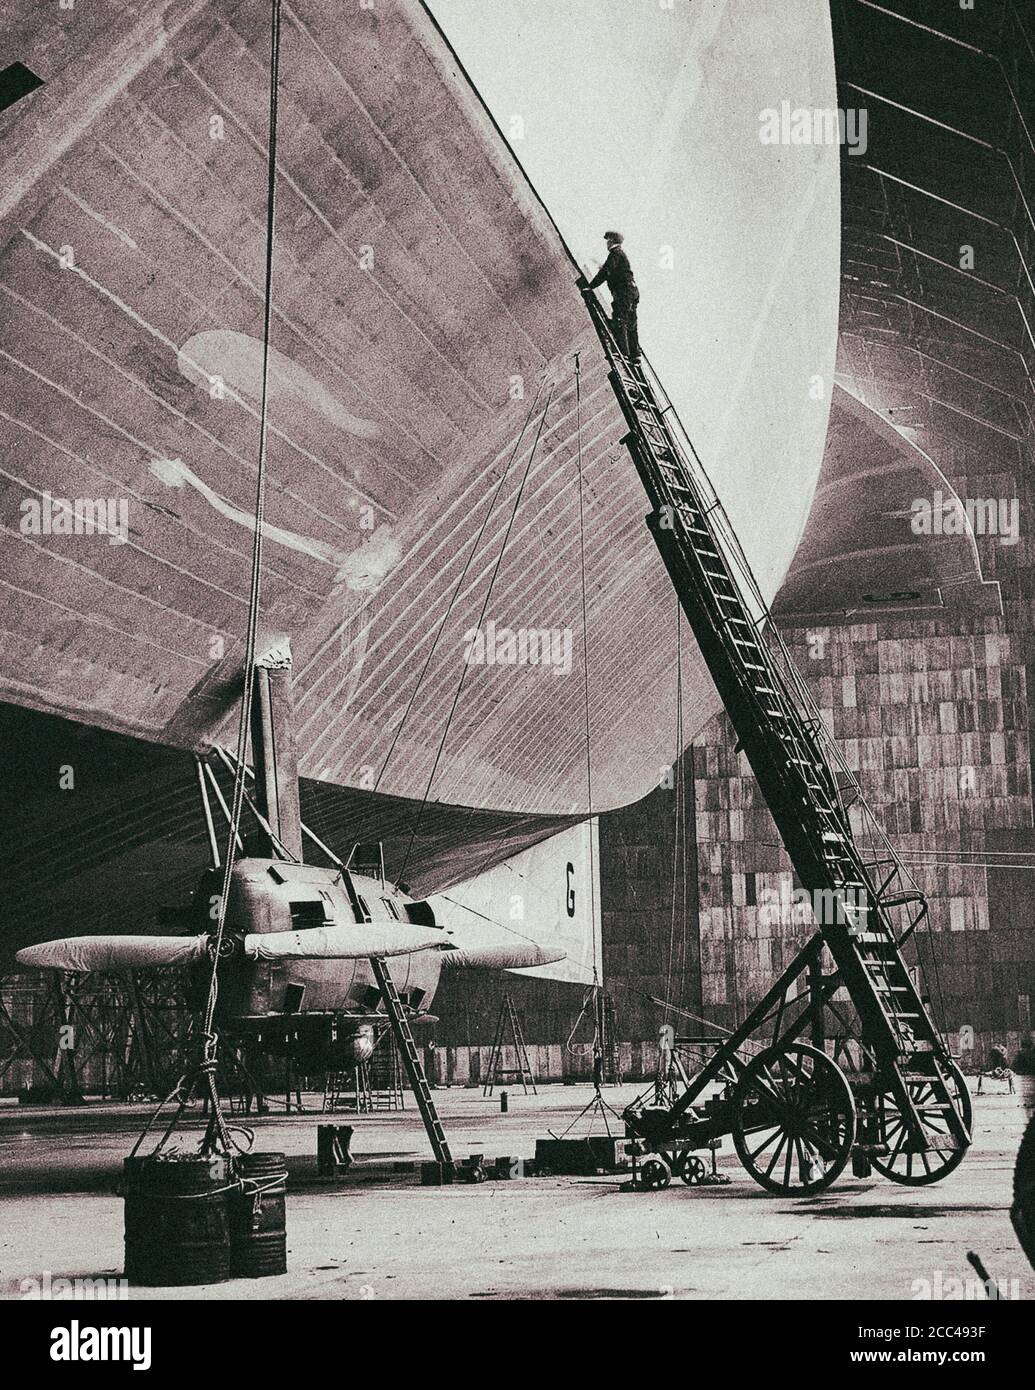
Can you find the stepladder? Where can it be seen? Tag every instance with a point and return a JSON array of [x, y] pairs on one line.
[[498, 1072]]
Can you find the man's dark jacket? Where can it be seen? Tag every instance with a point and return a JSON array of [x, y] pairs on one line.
[[617, 271]]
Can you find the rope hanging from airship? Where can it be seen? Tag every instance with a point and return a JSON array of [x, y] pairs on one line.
[[585, 690], [594, 991], [593, 994], [481, 618], [218, 1135], [218, 1127], [458, 586], [679, 829]]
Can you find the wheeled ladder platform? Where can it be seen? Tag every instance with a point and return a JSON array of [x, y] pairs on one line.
[[795, 1113]]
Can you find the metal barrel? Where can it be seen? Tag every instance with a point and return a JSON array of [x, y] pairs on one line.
[[258, 1237], [177, 1229]]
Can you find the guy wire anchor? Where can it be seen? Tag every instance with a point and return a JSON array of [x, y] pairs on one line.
[[596, 1105]]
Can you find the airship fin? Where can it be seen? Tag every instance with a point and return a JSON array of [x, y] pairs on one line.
[[539, 910]]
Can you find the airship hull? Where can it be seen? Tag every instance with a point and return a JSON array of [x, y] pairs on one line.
[[445, 467]]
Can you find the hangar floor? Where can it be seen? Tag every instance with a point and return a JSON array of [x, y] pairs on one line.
[[384, 1237]]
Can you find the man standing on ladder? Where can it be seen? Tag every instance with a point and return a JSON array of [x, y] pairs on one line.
[[617, 271]]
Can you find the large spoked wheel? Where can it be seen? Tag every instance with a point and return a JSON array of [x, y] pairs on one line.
[[930, 1165], [794, 1121]]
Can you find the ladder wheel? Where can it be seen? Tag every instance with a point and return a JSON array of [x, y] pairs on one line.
[[919, 1169], [655, 1174], [692, 1170], [794, 1120]]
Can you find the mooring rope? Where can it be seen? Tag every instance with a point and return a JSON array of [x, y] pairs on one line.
[[670, 976], [218, 1127], [219, 1133], [597, 970]]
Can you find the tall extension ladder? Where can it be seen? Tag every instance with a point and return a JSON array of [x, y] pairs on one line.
[[783, 747]]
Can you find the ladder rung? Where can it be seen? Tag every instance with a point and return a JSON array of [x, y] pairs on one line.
[[885, 962], [900, 899]]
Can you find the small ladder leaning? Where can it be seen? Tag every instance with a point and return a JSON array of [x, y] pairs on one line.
[[411, 1062]]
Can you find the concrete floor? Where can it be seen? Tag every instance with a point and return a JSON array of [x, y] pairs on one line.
[[384, 1237]]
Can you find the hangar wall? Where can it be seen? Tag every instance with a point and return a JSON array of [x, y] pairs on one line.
[[935, 725]]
